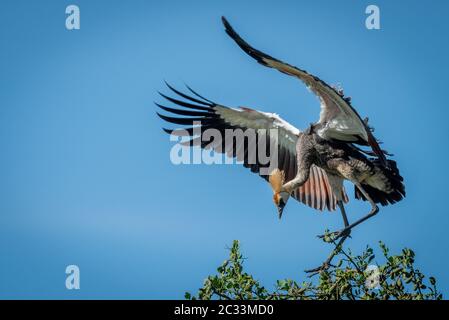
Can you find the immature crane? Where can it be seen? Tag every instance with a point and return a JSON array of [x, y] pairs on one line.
[[309, 166]]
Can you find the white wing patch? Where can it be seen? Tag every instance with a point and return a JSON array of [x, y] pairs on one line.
[[257, 120], [343, 128]]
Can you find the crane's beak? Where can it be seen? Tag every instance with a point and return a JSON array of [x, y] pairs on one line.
[[281, 207], [280, 210]]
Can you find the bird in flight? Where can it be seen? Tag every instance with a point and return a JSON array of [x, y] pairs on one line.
[[309, 166]]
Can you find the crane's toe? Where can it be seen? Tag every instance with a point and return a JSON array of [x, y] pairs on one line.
[[332, 236]]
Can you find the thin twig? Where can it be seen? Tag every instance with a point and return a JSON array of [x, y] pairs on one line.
[[221, 295]]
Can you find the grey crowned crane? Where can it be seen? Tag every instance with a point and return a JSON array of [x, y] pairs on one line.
[[310, 165]]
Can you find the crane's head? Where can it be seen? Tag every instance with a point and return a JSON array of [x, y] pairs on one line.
[[280, 197], [280, 200]]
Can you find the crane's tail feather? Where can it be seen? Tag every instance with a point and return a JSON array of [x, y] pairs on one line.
[[394, 179]]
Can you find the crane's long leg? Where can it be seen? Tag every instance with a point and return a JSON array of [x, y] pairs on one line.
[[345, 221], [328, 261], [343, 213], [373, 212]]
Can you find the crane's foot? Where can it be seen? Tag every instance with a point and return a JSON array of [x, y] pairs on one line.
[[343, 235], [345, 232]]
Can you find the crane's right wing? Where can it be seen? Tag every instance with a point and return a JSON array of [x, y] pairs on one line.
[[338, 119]]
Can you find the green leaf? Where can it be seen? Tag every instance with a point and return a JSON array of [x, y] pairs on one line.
[[340, 281]]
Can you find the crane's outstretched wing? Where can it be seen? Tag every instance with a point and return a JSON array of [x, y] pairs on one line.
[[269, 130], [338, 119]]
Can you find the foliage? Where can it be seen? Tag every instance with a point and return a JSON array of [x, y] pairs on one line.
[[350, 279]]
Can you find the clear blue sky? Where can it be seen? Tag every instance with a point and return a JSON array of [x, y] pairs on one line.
[[85, 172]]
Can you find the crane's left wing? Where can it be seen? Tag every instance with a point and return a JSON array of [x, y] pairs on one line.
[[260, 140]]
